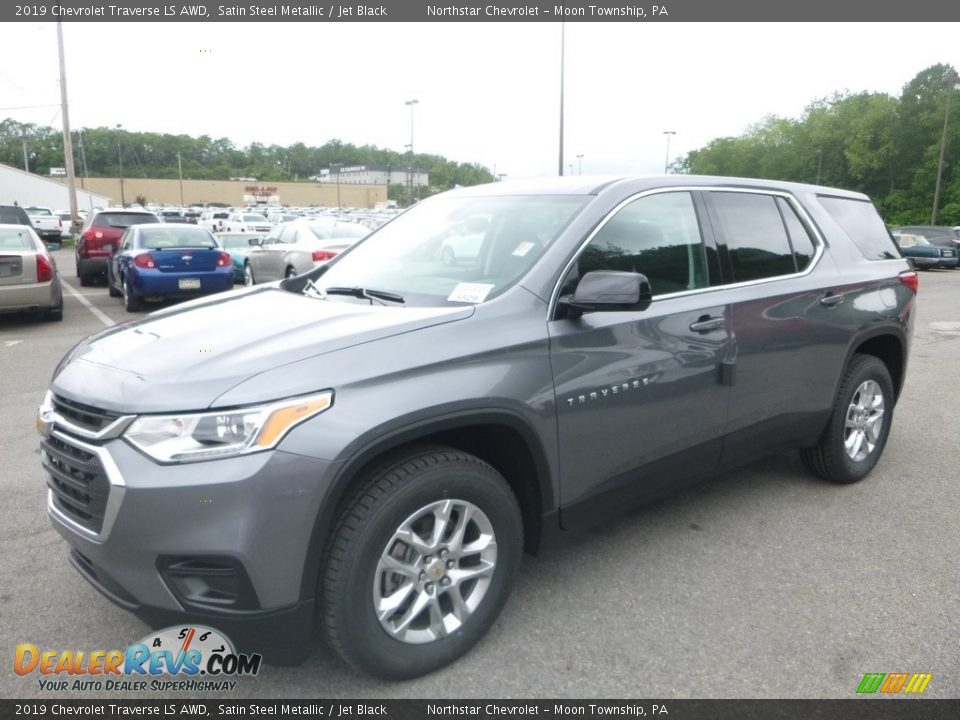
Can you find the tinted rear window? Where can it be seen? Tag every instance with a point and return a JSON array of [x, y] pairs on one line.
[[122, 220], [160, 237], [10, 215], [860, 221]]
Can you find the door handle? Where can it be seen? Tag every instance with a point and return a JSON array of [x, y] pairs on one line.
[[706, 324], [831, 300]]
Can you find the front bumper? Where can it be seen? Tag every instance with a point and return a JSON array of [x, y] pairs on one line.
[[254, 513]]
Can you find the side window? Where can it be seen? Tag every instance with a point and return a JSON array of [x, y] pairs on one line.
[[860, 221], [755, 235], [273, 237], [658, 236], [800, 241]]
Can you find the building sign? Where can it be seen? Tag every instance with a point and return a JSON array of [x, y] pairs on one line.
[[260, 190], [58, 172]]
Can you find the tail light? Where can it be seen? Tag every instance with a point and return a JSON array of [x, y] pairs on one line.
[[224, 260], [911, 279], [144, 260], [44, 269], [323, 255]]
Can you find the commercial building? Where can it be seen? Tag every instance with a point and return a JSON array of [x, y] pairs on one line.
[[374, 175], [27, 189], [238, 192]]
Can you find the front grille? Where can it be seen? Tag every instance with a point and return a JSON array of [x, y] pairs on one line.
[[85, 416], [78, 482]]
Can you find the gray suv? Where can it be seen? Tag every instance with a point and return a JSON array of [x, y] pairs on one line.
[[370, 447]]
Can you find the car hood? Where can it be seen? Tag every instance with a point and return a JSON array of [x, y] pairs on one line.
[[184, 358]]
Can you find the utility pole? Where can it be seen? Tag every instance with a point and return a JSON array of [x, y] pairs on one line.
[[67, 137], [123, 200], [666, 162], [26, 159], [180, 171], [410, 104], [949, 80]]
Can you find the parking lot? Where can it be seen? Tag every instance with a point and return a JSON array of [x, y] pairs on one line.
[[762, 583]]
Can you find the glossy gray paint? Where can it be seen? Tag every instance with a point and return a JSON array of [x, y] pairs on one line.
[[661, 402]]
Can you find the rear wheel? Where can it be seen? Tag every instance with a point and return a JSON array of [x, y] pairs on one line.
[[421, 563], [85, 280], [131, 301], [291, 272], [854, 440]]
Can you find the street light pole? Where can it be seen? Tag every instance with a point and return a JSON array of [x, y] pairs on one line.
[[562, 54], [410, 104], [950, 79], [666, 162], [580, 164], [338, 166]]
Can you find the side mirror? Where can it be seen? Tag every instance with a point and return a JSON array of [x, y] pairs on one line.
[[609, 290]]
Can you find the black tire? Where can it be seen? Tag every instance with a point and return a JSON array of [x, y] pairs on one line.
[[55, 314], [249, 279], [131, 301], [85, 280], [395, 491], [110, 281], [447, 256], [291, 272], [829, 458]]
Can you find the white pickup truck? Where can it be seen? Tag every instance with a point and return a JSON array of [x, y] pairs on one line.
[[48, 226]]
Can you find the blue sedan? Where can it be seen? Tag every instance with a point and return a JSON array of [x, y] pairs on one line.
[[157, 262]]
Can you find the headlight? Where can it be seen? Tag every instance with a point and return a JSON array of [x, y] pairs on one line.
[[212, 435]]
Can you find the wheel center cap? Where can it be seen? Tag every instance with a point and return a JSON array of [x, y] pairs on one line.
[[436, 569]]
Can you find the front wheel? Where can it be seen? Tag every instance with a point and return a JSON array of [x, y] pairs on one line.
[[421, 562], [248, 279], [854, 439], [291, 273]]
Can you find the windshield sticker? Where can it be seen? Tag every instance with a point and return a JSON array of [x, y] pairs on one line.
[[470, 292], [523, 248]]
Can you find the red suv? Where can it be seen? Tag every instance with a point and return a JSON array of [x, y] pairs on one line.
[[101, 235]]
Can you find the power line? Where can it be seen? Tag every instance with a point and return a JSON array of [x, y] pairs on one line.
[[29, 107]]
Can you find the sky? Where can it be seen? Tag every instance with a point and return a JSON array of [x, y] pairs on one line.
[[487, 92]]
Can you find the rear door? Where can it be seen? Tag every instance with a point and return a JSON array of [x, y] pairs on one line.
[[641, 399], [787, 305]]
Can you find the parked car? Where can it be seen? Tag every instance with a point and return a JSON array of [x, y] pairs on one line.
[[48, 226], [156, 262], [214, 220], [238, 245], [101, 235], [14, 215], [248, 222], [374, 443], [173, 216], [941, 236], [922, 254], [464, 242], [297, 247], [29, 279]]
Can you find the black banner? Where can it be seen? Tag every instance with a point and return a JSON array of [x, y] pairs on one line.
[[477, 11], [875, 709]]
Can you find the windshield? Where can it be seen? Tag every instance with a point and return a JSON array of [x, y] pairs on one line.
[[455, 249], [254, 218]]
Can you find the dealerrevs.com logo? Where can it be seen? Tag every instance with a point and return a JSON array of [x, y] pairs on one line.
[[186, 658]]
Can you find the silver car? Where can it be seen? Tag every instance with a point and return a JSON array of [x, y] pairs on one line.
[[29, 281], [297, 247]]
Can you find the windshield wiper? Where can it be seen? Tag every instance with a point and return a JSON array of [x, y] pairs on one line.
[[365, 294]]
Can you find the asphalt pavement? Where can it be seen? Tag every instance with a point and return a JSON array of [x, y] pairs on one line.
[[762, 583]]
